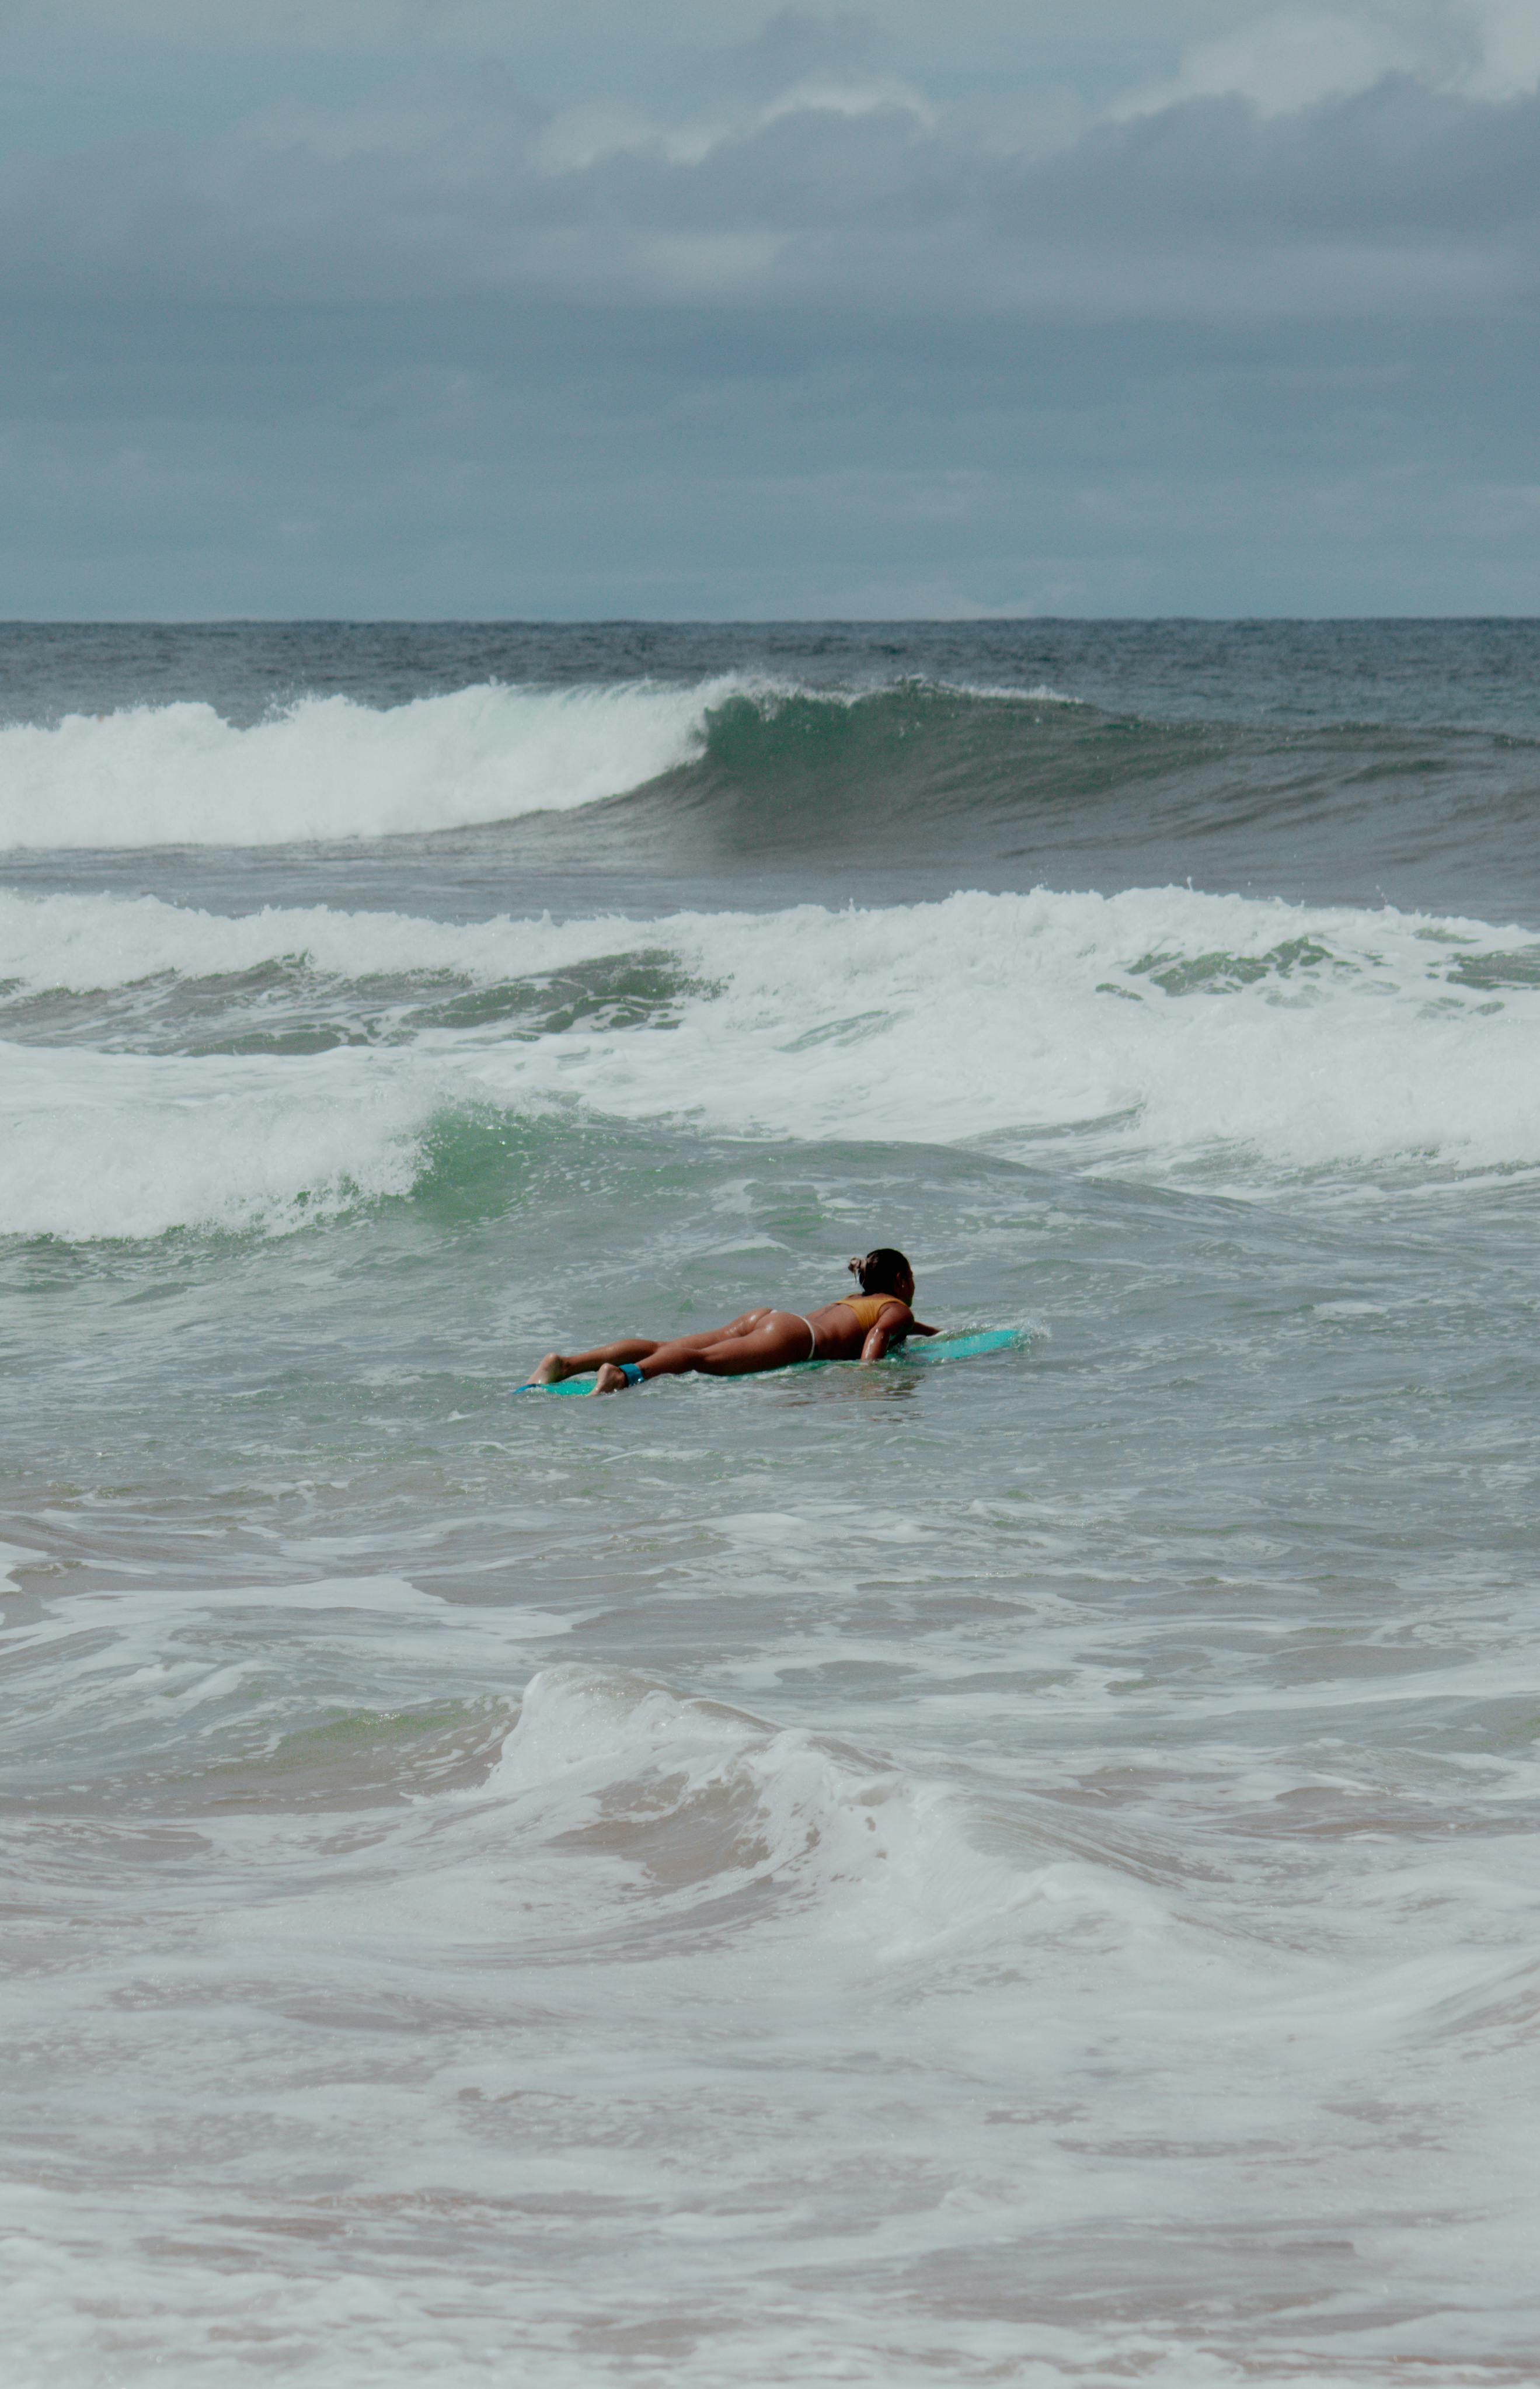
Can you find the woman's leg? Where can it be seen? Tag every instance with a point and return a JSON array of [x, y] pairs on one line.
[[559, 1365], [777, 1339]]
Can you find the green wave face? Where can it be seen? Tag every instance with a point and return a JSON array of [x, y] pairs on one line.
[[965, 787]]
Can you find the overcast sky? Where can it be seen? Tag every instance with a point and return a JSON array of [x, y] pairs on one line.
[[481, 308]]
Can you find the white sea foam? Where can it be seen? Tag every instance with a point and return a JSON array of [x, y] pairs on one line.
[[627, 2021], [83, 943], [563, 2024], [131, 1144], [1157, 1030], [751, 1805], [326, 768], [1156, 1027]]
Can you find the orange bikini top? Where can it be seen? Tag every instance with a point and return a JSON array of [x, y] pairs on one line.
[[868, 1307]]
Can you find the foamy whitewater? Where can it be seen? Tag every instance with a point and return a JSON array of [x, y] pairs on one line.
[[1021, 1870]]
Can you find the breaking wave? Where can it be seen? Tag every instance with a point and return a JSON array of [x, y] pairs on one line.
[[166, 1068], [326, 768], [972, 785]]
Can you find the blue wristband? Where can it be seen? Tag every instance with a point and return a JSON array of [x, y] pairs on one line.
[[631, 1374]]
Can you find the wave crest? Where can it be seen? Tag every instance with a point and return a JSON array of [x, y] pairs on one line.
[[697, 1805], [985, 785], [1162, 1032], [329, 769]]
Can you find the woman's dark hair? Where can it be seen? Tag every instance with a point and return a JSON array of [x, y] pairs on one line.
[[878, 1271]]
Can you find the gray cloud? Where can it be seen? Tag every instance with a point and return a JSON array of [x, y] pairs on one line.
[[804, 342], [1395, 199]]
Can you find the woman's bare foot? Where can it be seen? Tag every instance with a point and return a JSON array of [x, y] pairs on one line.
[[609, 1380], [552, 1369]]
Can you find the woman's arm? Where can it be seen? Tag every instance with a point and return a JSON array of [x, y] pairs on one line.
[[894, 1320]]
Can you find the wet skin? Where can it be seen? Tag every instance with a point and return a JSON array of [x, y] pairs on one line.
[[756, 1340]]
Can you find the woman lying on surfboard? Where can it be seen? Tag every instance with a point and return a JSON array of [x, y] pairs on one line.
[[857, 1327]]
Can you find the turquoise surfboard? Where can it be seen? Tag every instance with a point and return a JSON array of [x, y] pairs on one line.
[[926, 1351]]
